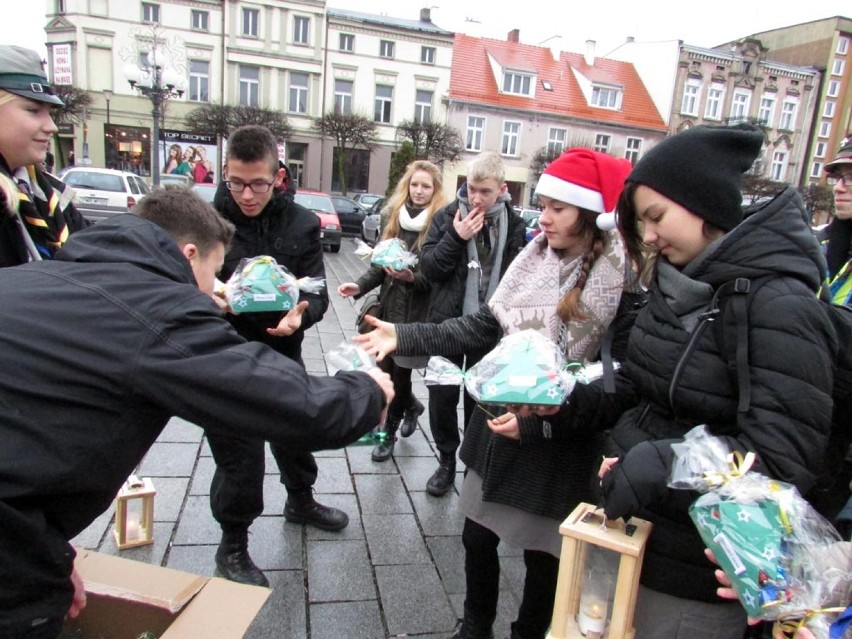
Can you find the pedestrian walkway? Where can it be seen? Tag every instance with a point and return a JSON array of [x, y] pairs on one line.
[[397, 570]]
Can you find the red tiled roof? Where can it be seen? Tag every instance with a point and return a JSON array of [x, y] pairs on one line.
[[472, 80]]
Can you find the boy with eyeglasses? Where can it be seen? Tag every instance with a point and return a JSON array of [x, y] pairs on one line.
[[257, 198], [839, 232]]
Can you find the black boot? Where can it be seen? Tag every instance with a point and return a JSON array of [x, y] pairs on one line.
[[233, 561], [302, 508], [443, 479], [469, 629], [410, 417], [383, 451]]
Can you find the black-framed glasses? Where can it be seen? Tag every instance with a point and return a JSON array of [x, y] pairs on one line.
[[238, 186], [837, 176]]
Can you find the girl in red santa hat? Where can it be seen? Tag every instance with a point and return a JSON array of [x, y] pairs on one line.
[[523, 477]]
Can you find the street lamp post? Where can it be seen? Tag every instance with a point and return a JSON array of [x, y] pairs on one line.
[[107, 96], [158, 84]]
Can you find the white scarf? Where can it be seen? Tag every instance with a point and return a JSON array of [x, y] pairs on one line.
[[416, 224]]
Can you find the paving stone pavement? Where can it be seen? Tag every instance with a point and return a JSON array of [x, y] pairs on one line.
[[397, 569]]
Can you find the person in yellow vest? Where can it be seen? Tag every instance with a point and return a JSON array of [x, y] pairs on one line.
[[839, 232]]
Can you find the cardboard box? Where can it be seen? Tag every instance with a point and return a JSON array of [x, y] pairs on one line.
[[127, 598]]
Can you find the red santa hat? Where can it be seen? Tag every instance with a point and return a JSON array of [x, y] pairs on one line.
[[588, 180]]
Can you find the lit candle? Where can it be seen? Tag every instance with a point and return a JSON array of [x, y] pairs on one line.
[[592, 616], [132, 529]]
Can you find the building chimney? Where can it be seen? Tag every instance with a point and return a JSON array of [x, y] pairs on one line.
[[514, 36], [426, 14], [590, 53]]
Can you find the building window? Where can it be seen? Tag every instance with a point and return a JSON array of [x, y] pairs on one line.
[[779, 166], [511, 133], [199, 81], [715, 95], [60, 6], [384, 101], [824, 129], [633, 149], [842, 45], [602, 142], [556, 141], [347, 42], [200, 20], [249, 85], [150, 12], [833, 89], [820, 150], [475, 129], [689, 103], [298, 102], [788, 115], [739, 106], [816, 169], [828, 111], [342, 96], [427, 55], [517, 83], [837, 67], [251, 17], [605, 97], [423, 106], [301, 29], [766, 113], [386, 48]]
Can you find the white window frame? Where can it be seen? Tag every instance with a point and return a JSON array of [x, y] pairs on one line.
[[383, 111], [150, 13], [825, 129], [816, 169], [838, 66], [301, 30], [842, 45], [819, 150], [510, 144], [387, 49], [689, 101], [715, 102], [199, 20], [427, 55], [199, 82], [833, 89], [603, 142], [346, 42], [828, 109], [740, 103], [766, 110], [633, 149], [789, 109], [556, 140], [605, 97], [475, 132], [297, 96], [342, 97], [250, 23], [778, 169], [517, 83], [422, 107], [249, 87]]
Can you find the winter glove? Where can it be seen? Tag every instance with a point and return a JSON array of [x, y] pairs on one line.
[[638, 479]]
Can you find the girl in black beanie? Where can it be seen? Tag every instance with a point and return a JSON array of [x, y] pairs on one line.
[[680, 215]]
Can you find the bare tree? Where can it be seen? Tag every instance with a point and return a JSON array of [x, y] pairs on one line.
[[348, 130], [74, 111], [222, 119], [403, 156], [433, 141]]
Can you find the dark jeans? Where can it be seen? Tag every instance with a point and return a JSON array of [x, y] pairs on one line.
[[401, 378], [482, 575], [236, 492], [443, 411]]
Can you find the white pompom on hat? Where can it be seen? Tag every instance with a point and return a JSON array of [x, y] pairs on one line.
[[588, 180]]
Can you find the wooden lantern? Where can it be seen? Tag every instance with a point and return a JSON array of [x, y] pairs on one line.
[[587, 525], [134, 513]]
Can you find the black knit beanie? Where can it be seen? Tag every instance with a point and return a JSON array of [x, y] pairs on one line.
[[701, 169]]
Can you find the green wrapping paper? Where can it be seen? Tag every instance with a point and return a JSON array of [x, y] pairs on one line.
[[260, 284]]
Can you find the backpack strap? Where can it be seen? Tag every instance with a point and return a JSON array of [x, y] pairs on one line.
[[738, 307]]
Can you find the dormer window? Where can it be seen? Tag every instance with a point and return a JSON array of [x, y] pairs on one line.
[[517, 83], [606, 97]]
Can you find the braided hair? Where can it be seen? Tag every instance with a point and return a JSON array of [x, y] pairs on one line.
[[569, 306]]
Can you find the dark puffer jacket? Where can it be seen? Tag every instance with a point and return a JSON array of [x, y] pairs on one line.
[[658, 400], [444, 260]]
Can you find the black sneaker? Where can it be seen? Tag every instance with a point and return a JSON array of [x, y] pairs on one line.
[[410, 417], [443, 479], [234, 564], [303, 511]]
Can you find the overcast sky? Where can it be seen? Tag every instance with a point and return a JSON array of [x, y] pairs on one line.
[[608, 22]]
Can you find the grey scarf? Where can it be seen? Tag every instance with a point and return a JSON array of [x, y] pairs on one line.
[[473, 285], [687, 298]]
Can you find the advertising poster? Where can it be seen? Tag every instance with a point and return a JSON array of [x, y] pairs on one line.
[[192, 154]]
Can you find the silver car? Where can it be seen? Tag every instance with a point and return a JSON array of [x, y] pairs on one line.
[[102, 193], [371, 226]]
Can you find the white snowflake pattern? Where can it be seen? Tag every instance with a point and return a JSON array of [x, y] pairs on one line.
[[748, 599], [490, 390], [744, 516], [242, 302], [769, 553], [553, 392]]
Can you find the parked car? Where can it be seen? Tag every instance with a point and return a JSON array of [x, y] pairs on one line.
[[533, 228], [367, 199], [351, 213], [371, 226], [174, 178], [321, 205], [102, 193], [529, 214], [206, 190]]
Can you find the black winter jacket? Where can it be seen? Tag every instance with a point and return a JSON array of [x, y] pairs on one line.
[[661, 396], [290, 233], [99, 348], [444, 260]]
